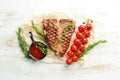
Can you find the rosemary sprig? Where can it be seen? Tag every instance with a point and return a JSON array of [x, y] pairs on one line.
[[66, 28], [40, 33], [43, 47], [64, 31], [22, 43], [44, 50], [91, 46]]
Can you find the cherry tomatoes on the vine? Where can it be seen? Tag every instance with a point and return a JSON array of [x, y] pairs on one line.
[[84, 41], [68, 61], [70, 53], [75, 59], [78, 53], [81, 47], [81, 28], [74, 48], [89, 26], [77, 42], [79, 35]]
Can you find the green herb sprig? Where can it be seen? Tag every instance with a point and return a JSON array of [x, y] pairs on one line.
[[42, 48], [91, 46], [64, 31], [66, 28], [40, 33], [22, 44]]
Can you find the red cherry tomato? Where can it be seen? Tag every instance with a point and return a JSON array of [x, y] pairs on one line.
[[75, 59], [89, 26], [84, 41], [81, 47], [81, 28], [77, 42], [74, 48], [70, 53], [68, 61], [78, 53], [79, 35], [87, 34]]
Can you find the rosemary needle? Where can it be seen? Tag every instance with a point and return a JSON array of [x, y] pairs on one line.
[[42, 36], [22, 43]]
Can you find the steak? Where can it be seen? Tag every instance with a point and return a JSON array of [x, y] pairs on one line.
[[58, 33]]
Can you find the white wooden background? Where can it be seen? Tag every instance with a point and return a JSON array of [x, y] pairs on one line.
[[103, 62]]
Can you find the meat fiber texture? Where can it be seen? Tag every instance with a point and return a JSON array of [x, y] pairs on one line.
[[51, 57]]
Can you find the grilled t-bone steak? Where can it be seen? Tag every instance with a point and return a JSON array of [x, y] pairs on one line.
[[59, 33]]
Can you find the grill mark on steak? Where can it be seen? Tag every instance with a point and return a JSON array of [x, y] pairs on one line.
[[53, 29]]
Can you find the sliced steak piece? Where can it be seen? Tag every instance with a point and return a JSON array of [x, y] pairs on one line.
[[50, 27], [63, 24], [54, 30]]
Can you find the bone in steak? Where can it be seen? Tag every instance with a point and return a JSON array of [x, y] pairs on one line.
[[54, 29]]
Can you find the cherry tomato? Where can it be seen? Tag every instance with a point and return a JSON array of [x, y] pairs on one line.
[[87, 34], [81, 47], [77, 42], [78, 53], [70, 53], [89, 26], [68, 61], [74, 48], [75, 59], [84, 41], [79, 35], [81, 28]]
